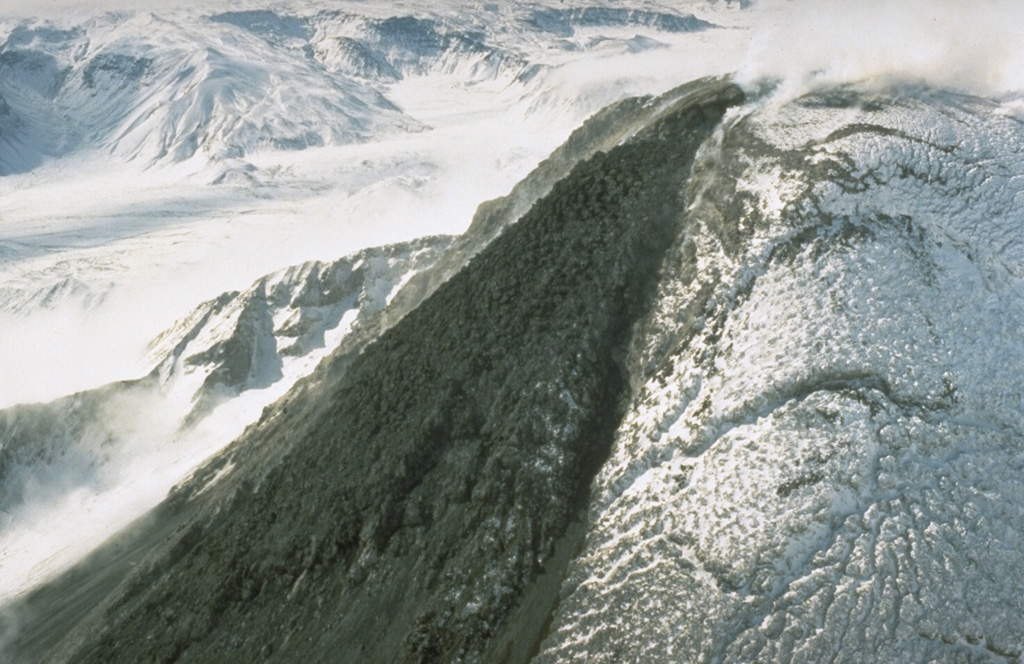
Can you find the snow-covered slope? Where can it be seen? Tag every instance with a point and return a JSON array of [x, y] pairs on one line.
[[567, 21], [823, 454], [79, 457], [243, 341]]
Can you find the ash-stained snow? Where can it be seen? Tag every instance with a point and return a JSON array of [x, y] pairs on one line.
[[823, 457]]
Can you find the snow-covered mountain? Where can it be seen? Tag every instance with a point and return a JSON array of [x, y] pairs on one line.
[[742, 386], [244, 341], [733, 374], [151, 89]]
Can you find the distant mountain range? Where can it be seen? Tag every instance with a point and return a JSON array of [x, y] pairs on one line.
[[161, 90]]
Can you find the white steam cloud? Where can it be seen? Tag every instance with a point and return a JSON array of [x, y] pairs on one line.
[[972, 46]]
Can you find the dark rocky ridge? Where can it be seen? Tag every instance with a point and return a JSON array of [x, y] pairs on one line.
[[603, 131], [419, 505]]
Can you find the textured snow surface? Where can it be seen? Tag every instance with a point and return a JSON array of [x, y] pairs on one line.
[[824, 458]]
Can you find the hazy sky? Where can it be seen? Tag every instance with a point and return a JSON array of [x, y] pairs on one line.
[[51, 7]]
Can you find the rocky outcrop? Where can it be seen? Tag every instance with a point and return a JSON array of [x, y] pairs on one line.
[[263, 338]]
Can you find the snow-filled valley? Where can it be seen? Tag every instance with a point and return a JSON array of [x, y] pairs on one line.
[[548, 331], [119, 126]]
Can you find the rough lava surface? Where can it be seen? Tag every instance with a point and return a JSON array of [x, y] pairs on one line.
[[823, 454]]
